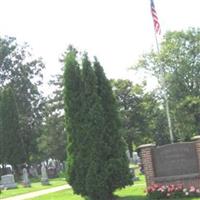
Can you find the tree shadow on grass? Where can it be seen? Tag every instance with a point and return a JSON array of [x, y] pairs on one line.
[[135, 197]]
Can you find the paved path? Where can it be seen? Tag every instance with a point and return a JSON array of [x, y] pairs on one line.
[[38, 193]]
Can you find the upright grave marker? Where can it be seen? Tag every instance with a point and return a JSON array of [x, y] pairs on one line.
[[8, 181]]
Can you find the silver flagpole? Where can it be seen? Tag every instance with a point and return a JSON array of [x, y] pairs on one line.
[[163, 83]]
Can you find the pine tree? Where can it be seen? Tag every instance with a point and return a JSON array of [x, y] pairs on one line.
[[72, 101], [11, 144], [97, 164], [94, 127], [113, 154]]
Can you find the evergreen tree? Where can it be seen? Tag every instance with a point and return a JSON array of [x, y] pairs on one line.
[[113, 156], [93, 126], [11, 145], [72, 100], [97, 164]]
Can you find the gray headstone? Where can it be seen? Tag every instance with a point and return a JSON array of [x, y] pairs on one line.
[[26, 182], [33, 171], [134, 177], [44, 178], [134, 158], [8, 181]]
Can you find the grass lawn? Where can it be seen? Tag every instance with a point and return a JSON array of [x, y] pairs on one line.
[[135, 192], [129, 193], [34, 187]]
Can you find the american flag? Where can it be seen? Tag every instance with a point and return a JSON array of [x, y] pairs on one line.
[[155, 18]]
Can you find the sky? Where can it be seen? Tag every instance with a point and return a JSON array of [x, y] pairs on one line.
[[118, 32]]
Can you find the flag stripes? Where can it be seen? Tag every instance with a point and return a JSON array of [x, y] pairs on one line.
[[155, 18]]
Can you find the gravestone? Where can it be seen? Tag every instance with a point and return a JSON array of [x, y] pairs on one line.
[[51, 169], [132, 172], [8, 181], [1, 187], [52, 173], [33, 172], [134, 158], [44, 178], [26, 182], [129, 156]]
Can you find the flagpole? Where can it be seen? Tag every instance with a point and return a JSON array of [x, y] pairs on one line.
[[163, 83]]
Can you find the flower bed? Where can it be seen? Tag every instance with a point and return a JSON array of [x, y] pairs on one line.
[[159, 191]]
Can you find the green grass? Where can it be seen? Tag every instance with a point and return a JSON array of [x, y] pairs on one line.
[[135, 192], [34, 187], [129, 193], [62, 195]]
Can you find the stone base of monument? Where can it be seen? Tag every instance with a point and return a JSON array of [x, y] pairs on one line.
[[8, 181], [45, 181], [1, 187], [26, 184]]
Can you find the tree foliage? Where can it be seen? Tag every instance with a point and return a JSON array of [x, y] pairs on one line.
[[53, 137], [11, 146], [73, 117], [113, 150], [140, 114], [96, 152], [23, 73], [179, 56]]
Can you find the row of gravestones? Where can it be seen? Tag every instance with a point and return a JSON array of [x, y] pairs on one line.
[[52, 169], [8, 181]]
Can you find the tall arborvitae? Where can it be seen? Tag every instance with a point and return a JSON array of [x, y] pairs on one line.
[[72, 100], [11, 144], [97, 164], [113, 148], [93, 125]]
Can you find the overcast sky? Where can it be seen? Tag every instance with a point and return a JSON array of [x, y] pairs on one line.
[[116, 31]]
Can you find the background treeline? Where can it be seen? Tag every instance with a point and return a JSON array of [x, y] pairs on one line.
[[32, 126]]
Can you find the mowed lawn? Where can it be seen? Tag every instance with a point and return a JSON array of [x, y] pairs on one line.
[[135, 192], [131, 192], [34, 187]]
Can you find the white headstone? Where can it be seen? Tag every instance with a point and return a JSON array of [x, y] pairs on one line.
[[44, 179], [25, 181], [8, 181]]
